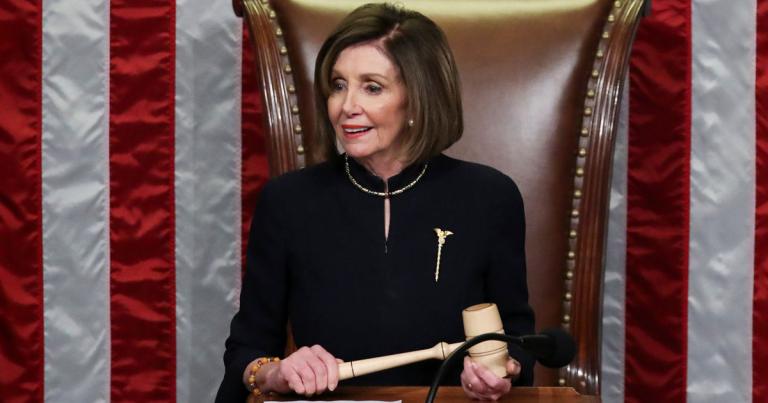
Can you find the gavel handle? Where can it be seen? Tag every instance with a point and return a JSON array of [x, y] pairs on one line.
[[361, 367]]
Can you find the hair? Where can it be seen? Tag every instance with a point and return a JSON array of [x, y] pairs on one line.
[[419, 49]]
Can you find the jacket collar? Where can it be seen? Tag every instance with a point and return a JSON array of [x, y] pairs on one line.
[[372, 182]]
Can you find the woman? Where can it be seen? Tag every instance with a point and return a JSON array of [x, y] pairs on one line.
[[378, 250]]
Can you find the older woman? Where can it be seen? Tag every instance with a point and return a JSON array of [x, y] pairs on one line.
[[348, 250]]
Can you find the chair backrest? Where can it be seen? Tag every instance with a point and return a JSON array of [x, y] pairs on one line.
[[541, 82]]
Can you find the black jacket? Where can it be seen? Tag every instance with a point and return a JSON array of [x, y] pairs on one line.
[[317, 256]]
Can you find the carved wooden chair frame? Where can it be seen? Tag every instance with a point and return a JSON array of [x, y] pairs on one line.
[[585, 260]]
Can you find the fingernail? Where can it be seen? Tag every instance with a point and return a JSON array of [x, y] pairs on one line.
[[332, 388]]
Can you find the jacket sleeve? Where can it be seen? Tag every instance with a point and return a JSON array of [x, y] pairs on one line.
[[506, 282], [258, 329]]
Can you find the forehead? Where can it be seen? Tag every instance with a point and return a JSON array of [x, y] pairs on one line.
[[365, 59]]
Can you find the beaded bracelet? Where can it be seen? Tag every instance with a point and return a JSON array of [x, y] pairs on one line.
[[255, 367]]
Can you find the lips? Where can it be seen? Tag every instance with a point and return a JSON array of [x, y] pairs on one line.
[[352, 131]]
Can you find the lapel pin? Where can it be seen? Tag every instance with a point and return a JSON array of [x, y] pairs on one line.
[[441, 235]]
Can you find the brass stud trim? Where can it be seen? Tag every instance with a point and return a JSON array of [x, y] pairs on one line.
[[606, 35], [587, 111], [611, 18], [579, 172], [300, 149], [288, 69], [297, 129], [577, 194], [571, 256], [584, 132], [591, 93], [617, 4], [568, 296], [295, 109], [272, 14], [561, 382], [291, 88], [574, 213], [600, 54], [595, 73], [569, 274], [279, 32], [582, 152], [283, 50], [572, 234], [566, 318]]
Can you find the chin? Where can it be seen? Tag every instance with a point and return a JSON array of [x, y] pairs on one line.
[[357, 152]]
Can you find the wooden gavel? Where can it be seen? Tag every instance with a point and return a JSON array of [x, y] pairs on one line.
[[478, 319]]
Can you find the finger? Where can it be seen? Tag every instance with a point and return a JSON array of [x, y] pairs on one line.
[[292, 377], [303, 358], [321, 374], [471, 368], [513, 368], [493, 383], [472, 380], [467, 377], [467, 387], [465, 383], [331, 367], [307, 378]]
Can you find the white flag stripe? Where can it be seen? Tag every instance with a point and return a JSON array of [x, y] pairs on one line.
[[614, 291], [722, 202], [207, 187], [75, 184], [75, 200]]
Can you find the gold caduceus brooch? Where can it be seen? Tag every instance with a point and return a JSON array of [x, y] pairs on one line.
[[441, 235]]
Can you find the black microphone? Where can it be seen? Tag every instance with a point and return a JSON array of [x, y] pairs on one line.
[[553, 348]]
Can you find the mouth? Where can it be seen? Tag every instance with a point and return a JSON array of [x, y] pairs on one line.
[[354, 131]]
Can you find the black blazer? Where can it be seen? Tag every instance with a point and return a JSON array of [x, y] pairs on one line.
[[317, 255]]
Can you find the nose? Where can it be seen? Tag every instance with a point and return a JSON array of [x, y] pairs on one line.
[[350, 106]]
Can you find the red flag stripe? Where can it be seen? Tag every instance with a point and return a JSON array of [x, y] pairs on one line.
[[21, 262], [255, 167], [760, 307], [658, 206], [142, 282]]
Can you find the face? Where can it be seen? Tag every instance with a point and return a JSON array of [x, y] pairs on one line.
[[367, 105]]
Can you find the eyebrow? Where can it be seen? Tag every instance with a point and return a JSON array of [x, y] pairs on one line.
[[364, 76]]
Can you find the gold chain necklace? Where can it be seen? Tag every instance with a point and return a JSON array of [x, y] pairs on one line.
[[381, 194]]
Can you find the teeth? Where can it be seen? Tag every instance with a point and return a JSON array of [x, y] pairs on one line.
[[362, 129]]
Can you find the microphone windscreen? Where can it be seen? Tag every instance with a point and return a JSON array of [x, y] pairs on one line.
[[561, 349]]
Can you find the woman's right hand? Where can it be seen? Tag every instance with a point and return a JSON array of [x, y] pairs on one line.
[[308, 371]]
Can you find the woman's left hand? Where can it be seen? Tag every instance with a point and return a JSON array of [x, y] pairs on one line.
[[481, 384]]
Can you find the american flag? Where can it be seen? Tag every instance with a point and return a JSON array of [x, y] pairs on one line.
[[131, 153]]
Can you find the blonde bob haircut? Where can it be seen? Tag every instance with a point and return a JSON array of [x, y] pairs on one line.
[[419, 49]]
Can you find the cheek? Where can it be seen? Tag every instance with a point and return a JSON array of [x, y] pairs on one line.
[[334, 107]]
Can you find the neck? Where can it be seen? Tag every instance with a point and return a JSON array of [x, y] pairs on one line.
[[384, 169]]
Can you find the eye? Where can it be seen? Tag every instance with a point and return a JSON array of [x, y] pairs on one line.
[[338, 85], [373, 88]]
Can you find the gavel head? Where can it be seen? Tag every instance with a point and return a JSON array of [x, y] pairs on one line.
[[493, 354]]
